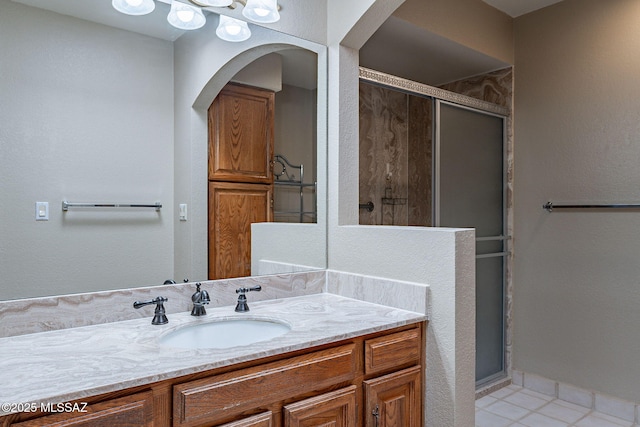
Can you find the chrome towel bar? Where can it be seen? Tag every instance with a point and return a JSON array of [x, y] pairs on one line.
[[550, 206], [67, 205]]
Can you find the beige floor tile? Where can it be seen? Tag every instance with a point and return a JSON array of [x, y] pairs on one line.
[[561, 412], [507, 410]]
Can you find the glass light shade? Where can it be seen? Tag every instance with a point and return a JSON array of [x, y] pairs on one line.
[[215, 3], [263, 11], [134, 7], [185, 17], [232, 30]]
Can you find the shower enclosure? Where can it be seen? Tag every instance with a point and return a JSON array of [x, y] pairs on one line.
[[429, 157]]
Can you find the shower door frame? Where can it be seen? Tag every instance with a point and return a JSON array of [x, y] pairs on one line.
[[474, 104], [503, 237]]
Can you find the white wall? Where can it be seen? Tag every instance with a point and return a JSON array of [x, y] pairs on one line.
[[295, 139], [577, 127], [86, 114]]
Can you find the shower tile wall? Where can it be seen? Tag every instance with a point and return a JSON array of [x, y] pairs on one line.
[[495, 87], [420, 160], [395, 157]]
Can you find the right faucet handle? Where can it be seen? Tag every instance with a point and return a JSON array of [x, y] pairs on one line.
[[242, 305], [245, 290]]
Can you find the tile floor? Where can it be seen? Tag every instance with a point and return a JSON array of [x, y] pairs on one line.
[[514, 406]]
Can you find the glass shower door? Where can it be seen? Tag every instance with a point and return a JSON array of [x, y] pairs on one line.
[[470, 192]]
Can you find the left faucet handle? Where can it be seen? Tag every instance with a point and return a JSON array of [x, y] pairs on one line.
[[160, 317]]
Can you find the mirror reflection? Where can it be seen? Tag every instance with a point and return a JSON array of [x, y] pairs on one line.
[[92, 113]]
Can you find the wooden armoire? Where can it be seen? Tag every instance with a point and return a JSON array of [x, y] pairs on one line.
[[241, 133]]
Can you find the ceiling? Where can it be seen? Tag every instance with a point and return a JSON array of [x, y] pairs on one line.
[[411, 52], [408, 51], [515, 8]]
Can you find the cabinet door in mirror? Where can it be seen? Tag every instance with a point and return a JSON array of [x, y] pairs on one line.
[[233, 207], [241, 135]]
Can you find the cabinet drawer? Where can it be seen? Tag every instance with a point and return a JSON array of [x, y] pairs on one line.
[[390, 351], [203, 401], [134, 410]]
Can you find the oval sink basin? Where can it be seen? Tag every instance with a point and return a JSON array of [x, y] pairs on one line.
[[224, 334]]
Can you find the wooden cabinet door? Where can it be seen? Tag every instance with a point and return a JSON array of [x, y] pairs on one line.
[[232, 209], [261, 420], [394, 400], [134, 410], [241, 133], [336, 409]]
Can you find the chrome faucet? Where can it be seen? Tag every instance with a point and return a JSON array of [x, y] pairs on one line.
[[200, 298], [242, 298], [159, 318]]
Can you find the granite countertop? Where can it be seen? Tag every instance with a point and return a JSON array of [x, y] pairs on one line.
[[69, 364]]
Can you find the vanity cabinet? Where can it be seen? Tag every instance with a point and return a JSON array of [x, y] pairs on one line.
[[367, 381], [394, 399]]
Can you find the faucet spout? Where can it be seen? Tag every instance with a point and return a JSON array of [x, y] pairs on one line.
[[199, 299]]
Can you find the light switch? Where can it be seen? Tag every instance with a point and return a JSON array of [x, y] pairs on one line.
[[42, 211], [182, 211]]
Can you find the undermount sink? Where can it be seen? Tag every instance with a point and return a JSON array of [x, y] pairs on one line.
[[224, 333]]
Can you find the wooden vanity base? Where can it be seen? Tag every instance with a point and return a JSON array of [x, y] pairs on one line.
[[371, 381]]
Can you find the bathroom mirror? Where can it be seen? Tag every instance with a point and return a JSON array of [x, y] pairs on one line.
[[99, 107]]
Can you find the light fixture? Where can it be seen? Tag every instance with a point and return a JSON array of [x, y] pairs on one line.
[[191, 17], [185, 17], [263, 11], [214, 3], [232, 30], [134, 7]]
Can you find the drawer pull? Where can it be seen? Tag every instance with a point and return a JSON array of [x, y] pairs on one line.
[[376, 415]]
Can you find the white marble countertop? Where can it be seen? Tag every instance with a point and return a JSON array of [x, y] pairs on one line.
[[69, 364]]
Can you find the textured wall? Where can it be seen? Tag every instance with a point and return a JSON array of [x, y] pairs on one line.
[[295, 139], [471, 23], [86, 115], [576, 287]]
